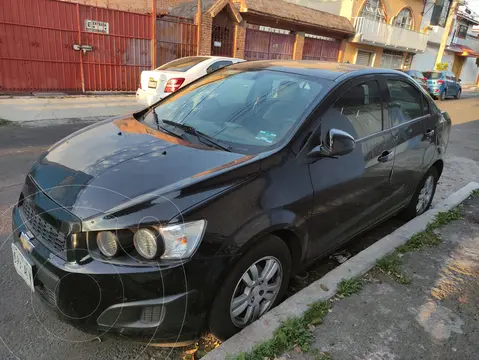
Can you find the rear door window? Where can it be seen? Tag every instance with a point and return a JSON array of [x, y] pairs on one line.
[[218, 65], [361, 105], [406, 102]]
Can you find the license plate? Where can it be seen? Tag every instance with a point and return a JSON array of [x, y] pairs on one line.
[[152, 84], [23, 267]]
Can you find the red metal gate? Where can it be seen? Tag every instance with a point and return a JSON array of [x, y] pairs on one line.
[[176, 37], [36, 46], [120, 43], [264, 45], [321, 49], [50, 45]]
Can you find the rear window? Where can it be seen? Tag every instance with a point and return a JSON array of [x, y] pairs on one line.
[[183, 64], [430, 75]]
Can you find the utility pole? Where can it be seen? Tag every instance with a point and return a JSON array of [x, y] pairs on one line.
[[198, 28], [447, 29], [153, 34]]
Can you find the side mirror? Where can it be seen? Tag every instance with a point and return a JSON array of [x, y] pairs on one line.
[[338, 143], [459, 80]]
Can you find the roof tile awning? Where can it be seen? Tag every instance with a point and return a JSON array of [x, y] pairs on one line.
[[296, 13], [462, 50]]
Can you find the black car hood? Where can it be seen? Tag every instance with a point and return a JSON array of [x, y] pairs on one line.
[[109, 165]]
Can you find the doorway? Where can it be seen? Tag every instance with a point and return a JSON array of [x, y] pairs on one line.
[[222, 35], [457, 65]]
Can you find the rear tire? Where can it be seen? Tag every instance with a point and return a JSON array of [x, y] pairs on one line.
[[423, 196], [223, 323], [442, 96]]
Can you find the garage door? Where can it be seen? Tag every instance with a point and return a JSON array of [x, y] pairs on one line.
[[364, 58], [321, 49], [265, 45], [391, 60]]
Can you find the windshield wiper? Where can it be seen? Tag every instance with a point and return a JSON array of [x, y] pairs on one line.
[[157, 121], [200, 135]]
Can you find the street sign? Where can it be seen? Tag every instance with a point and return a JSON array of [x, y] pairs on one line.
[[97, 26]]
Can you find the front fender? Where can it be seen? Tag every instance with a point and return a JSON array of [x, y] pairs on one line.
[[267, 223]]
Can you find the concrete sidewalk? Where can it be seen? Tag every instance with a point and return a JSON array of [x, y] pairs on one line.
[[88, 107], [436, 316]]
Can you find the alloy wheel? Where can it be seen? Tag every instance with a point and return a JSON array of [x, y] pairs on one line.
[[425, 195], [256, 291]]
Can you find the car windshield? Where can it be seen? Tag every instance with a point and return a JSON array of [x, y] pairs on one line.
[[431, 75], [183, 64], [247, 110]]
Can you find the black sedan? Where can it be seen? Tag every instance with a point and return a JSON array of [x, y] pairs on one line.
[[195, 213]]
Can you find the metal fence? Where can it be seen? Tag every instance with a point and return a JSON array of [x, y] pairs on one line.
[[264, 45], [321, 49], [36, 50], [120, 43], [175, 38], [51, 45]]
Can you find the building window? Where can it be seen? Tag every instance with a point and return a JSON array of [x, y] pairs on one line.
[[403, 19], [373, 10], [440, 12], [365, 58], [392, 59], [462, 31]]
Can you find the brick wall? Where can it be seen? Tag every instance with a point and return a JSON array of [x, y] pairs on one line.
[[138, 6], [298, 46], [205, 34], [240, 40]]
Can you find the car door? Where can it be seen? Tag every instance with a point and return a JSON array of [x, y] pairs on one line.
[[413, 130], [351, 192], [450, 83], [455, 83]]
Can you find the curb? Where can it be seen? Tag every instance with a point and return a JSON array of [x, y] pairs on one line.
[[326, 287]]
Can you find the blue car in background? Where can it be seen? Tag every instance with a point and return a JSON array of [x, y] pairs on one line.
[[443, 84]]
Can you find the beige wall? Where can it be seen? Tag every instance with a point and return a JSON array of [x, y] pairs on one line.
[[352, 49], [392, 8]]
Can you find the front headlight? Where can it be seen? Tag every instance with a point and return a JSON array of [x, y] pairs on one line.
[[182, 240], [148, 244], [107, 242]]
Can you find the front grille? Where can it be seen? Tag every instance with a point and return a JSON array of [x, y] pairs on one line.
[[47, 294], [43, 231]]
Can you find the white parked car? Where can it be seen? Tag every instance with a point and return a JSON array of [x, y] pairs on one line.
[[161, 82]]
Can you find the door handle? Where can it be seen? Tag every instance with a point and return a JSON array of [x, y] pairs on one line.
[[386, 156], [429, 133]]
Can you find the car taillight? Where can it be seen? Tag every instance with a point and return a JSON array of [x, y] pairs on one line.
[[173, 84], [440, 82]]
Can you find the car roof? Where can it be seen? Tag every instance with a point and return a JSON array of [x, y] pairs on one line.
[[319, 69], [218, 57]]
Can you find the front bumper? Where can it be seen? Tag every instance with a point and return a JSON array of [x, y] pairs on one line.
[[158, 304]]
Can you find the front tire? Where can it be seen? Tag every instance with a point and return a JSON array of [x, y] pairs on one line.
[[423, 196], [255, 284], [458, 95]]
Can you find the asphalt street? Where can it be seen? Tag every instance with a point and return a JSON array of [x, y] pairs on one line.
[[28, 330]]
